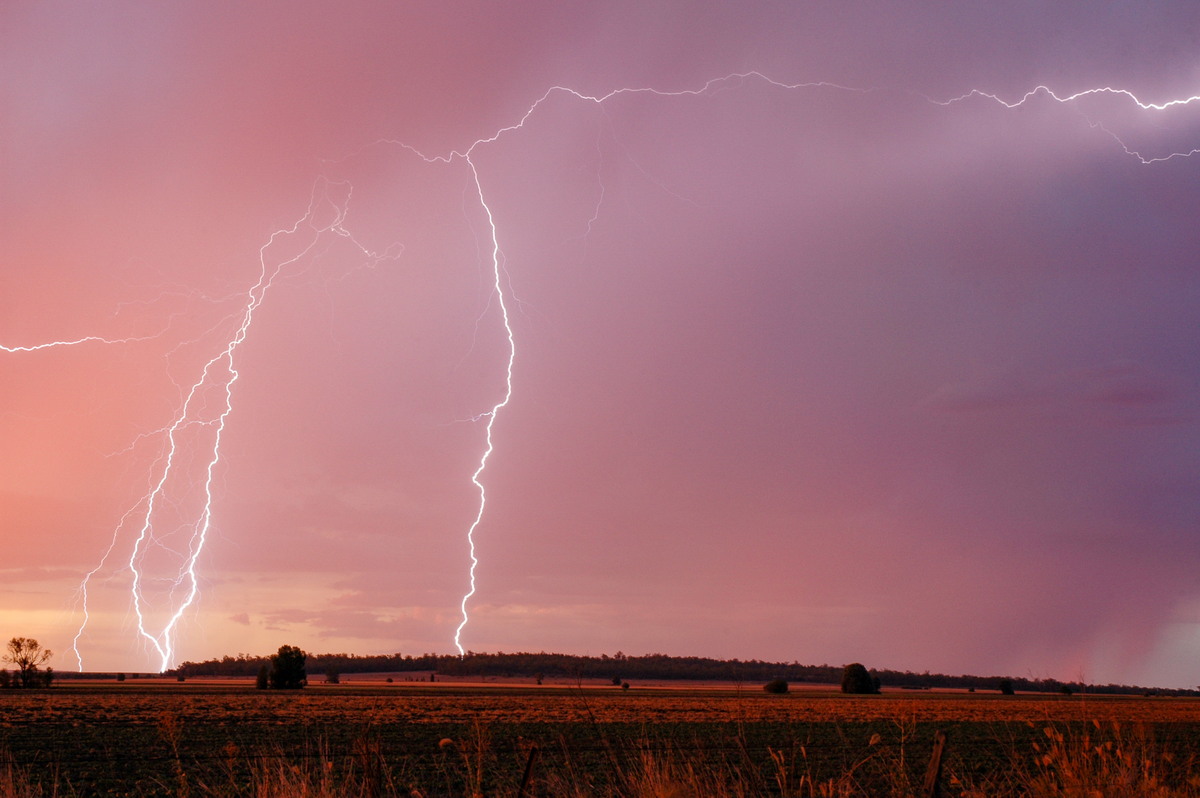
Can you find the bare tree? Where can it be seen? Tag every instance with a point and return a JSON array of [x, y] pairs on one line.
[[27, 655]]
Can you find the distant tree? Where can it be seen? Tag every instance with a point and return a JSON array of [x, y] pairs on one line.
[[263, 680], [777, 686], [287, 669], [332, 676], [5, 679], [857, 681], [120, 677], [28, 655], [1006, 687], [616, 680]]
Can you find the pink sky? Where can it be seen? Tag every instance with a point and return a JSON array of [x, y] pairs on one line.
[[818, 374]]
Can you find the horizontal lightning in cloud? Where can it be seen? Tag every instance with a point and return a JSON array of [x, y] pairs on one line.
[[1048, 92], [87, 339], [1044, 91]]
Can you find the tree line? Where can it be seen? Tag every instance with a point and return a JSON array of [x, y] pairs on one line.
[[623, 667], [288, 669]]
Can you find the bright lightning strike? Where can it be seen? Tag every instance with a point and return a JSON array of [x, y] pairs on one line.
[[731, 81], [191, 453], [498, 287], [174, 517]]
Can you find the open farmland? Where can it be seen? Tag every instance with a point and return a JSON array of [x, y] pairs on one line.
[[197, 738]]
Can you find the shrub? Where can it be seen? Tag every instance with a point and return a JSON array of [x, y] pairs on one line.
[[777, 686], [857, 681], [287, 669]]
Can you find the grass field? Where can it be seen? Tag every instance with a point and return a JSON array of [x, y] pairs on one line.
[[154, 738]]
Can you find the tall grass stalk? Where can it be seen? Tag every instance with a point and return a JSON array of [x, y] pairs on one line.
[[1095, 762], [15, 782]]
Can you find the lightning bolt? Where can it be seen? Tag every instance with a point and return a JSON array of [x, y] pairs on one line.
[[1067, 99], [726, 82], [489, 446], [194, 433], [87, 339]]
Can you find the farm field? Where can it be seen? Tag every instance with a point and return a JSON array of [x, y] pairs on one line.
[[198, 738]]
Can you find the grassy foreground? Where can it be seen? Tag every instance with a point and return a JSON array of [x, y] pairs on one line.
[[199, 740]]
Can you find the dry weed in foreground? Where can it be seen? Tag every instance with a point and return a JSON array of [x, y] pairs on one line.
[[1092, 764], [15, 782], [1099, 761]]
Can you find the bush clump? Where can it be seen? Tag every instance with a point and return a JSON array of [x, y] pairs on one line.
[[857, 681]]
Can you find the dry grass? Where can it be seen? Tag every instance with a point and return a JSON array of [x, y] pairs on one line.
[[1103, 762], [15, 782], [1100, 762], [1107, 762], [1059, 755]]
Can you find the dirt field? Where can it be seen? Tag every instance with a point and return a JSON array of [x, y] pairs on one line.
[[141, 737]]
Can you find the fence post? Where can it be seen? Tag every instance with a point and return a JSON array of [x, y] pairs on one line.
[[533, 752], [933, 775]]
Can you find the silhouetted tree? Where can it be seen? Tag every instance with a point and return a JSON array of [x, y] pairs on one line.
[[28, 655], [287, 669], [857, 681], [263, 680], [1006, 687], [777, 686]]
